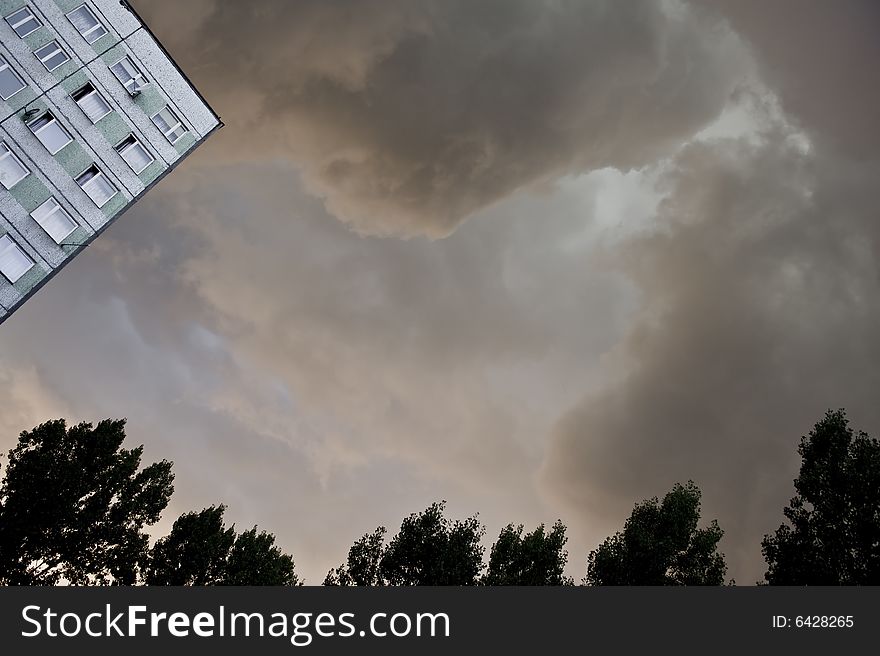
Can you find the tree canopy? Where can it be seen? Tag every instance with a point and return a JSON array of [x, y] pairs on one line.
[[363, 564], [201, 550], [538, 558], [661, 545], [833, 532], [429, 549], [74, 505]]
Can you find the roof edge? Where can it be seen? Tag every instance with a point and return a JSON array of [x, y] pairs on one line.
[[127, 5]]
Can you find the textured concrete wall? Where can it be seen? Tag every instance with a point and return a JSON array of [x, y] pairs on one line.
[[53, 175]]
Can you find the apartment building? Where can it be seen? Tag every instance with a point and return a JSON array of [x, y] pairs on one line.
[[93, 113]]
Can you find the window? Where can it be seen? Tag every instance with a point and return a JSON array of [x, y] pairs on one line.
[[96, 185], [51, 55], [86, 24], [127, 73], [23, 21], [50, 133], [54, 219], [91, 102], [14, 262], [171, 127], [10, 83], [12, 171], [134, 153]]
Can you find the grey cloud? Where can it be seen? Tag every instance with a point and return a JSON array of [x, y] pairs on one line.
[[757, 317], [819, 57], [319, 382], [407, 117], [760, 290], [323, 383], [399, 341]]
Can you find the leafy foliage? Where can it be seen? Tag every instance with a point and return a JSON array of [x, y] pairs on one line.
[[661, 545], [537, 559], [833, 535], [195, 551], [429, 549], [255, 560], [362, 566], [201, 550], [73, 505]]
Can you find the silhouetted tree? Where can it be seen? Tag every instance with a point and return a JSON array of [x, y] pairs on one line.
[[195, 551], [429, 549], [833, 535], [536, 559], [661, 545], [201, 550], [255, 560], [73, 505], [362, 566]]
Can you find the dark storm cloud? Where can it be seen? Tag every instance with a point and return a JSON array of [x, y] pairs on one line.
[[318, 382], [820, 58], [323, 383], [408, 116], [760, 292]]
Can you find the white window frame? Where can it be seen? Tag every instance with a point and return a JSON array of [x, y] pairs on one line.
[[140, 80], [6, 239], [136, 142], [94, 91], [100, 174], [3, 66], [21, 22], [172, 129], [98, 24], [57, 208], [38, 130], [8, 153], [52, 54]]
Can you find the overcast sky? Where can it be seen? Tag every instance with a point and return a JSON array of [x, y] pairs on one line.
[[540, 259]]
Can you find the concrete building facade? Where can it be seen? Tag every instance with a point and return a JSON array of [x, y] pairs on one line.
[[93, 113]]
